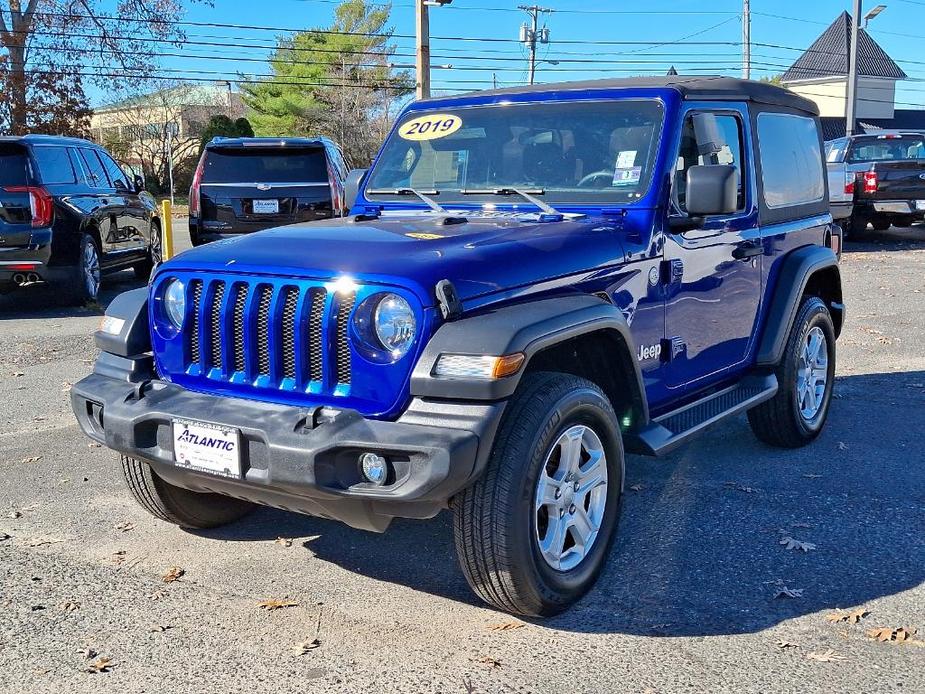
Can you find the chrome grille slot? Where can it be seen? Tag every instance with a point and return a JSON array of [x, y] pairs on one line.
[[315, 342], [215, 324], [265, 296], [193, 335], [342, 347], [287, 333], [237, 327]]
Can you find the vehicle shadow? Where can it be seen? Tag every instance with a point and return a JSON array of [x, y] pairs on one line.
[[42, 301], [699, 551], [893, 239]]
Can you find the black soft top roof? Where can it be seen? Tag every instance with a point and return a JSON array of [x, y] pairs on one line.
[[690, 87]]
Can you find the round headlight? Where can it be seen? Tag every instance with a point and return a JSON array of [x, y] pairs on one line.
[[395, 325], [175, 302]]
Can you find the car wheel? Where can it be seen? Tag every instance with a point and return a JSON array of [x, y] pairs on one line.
[[188, 509], [143, 269], [805, 376], [533, 533], [83, 284]]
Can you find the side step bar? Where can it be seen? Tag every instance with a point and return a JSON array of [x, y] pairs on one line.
[[670, 430]]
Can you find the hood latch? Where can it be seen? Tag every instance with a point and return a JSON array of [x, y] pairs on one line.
[[448, 300]]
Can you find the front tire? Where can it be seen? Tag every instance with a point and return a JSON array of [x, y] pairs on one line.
[[188, 509], [796, 414], [532, 535], [143, 268]]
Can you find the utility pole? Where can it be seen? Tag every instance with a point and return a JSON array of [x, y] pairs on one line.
[[532, 35], [746, 40], [851, 106], [422, 54]]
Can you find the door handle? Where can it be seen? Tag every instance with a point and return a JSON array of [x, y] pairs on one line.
[[748, 250]]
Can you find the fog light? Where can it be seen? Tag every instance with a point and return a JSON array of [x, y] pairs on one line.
[[375, 468]]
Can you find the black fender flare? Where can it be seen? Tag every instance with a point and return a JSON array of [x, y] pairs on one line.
[[524, 327], [797, 271], [124, 331]]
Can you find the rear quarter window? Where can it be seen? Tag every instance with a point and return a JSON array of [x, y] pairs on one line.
[[791, 161], [14, 166], [256, 165], [54, 165]]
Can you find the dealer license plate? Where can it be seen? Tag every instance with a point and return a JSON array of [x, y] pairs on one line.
[[266, 206], [207, 448]]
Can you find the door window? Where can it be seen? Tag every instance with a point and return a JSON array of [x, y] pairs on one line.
[[54, 165], [116, 175], [709, 138], [96, 172]]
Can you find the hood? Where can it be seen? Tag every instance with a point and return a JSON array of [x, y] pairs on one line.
[[480, 256]]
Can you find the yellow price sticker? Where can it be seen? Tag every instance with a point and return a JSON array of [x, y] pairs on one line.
[[430, 127]]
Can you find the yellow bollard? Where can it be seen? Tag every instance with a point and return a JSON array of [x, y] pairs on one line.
[[166, 230]]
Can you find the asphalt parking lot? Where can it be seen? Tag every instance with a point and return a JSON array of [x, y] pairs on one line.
[[699, 594]]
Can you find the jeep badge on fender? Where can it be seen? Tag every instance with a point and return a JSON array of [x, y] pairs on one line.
[[520, 295]]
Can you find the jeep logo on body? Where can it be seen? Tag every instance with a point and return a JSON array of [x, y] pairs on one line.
[[649, 352]]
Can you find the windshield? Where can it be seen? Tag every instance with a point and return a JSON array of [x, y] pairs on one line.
[[887, 148], [265, 165], [599, 152]]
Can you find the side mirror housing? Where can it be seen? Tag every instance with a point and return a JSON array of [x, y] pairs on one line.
[[139, 183], [352, 186], [712, 189]]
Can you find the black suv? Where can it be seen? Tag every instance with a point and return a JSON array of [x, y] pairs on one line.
[[67, 213], [246, 184]]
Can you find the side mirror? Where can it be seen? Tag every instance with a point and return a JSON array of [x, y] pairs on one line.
[[352, 186], [139, 183], [712, 189]]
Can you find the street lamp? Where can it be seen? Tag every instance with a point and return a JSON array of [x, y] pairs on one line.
[[873, 13]]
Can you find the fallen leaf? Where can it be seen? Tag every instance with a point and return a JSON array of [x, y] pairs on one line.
[[797, 544], [102, 664], [88, 653], [4, 536], [117, 557], [31, 459], [172, 574], [636, 488], [284, 541], [125, 527], [41, 541], [811, 476], [274, 604], [784, 645], [17, 374], [14, 514], [506, 626], [786, 592], [158, 628], [827, 656], [847, 617], [158, 594], [489, 661], [842, 446], [895, 635], [69, 606], [305, 646]]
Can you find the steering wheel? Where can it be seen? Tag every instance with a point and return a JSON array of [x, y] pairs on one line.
[[585, 182]]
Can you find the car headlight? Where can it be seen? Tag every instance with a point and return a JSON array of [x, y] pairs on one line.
[[175, 302], [395, 325]]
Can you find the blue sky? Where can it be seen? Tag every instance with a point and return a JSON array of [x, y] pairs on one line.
[[669, 28]]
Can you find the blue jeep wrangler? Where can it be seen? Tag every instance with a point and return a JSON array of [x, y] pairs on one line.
[[531, 283]]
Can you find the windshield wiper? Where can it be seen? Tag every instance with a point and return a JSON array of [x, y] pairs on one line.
[[527, 195], [422, 194]]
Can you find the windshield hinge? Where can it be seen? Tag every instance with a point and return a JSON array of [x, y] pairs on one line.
[[448, 300]]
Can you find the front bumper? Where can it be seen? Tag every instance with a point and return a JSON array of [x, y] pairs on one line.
[[299, 459]]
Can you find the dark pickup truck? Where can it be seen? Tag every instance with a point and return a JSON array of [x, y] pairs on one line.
[[888, 178]]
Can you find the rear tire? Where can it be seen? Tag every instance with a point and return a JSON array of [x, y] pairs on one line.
[[880, 223], [83, 284], [143, 268], [796, 414], [196, 510], [532, 534]]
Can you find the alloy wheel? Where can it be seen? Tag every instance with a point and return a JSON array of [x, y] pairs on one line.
[[571, 498], [812, 374], [91, 269]]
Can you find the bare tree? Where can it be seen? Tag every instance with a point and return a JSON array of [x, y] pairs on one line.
[[50, 47]]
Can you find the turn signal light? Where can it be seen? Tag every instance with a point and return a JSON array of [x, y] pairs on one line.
[[478, 366], [870, 181], [40, 203]]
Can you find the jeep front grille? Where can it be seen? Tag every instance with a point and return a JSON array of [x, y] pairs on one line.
[[277, 335]]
